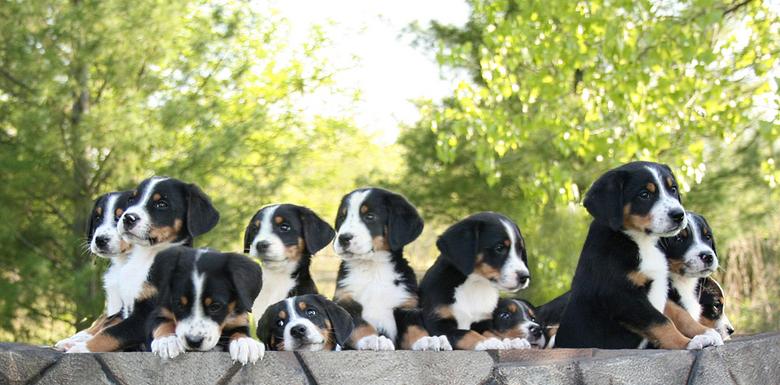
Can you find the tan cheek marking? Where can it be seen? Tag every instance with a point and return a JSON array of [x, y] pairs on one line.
[[634, 221], [235, 320], [124, 246], [278, 220], [412, 335], [638, 279], [380, 243], [650, 187], [327, 336], [156, 197], [295, 252], [487, 271], [676, 266], [710, 323], [166, 233], [165, 329]]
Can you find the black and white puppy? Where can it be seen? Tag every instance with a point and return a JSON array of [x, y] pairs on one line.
[[284, 237], [104, 241], [515, 320], [308, 322], [375, 284], [712, 299], [619, 291], [480, 256], [162, 212], [204, 299]]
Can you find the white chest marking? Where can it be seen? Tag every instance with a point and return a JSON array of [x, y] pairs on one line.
[[133, 274], [475, 300], [653, 264], [686, 287], [276, 285], [372, 284], [112, 280]]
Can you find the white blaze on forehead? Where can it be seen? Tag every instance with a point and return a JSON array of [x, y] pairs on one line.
[[275, 250], [661, 222], [695, 267], [197, 324], [514, 264], [312, 336], [147, 193], [361, 242], [107, 228]]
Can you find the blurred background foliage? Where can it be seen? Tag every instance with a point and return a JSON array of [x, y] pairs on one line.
[[97, 95]]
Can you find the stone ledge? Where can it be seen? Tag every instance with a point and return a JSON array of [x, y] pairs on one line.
[[743, 361]]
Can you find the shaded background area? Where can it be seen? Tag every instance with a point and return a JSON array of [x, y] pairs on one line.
[[262, 102]]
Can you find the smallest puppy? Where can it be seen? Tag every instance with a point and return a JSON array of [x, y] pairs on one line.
[[308, 322], [514, 322], [712, 301]]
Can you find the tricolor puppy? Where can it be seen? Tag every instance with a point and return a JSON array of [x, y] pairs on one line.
[[375, 284], [619, 291], [204, 300], [307, 322], [549, 315], [480, 256], [104, 241], [712, 300], [691, 255], [514, 320], [284, 237], [161, 212]]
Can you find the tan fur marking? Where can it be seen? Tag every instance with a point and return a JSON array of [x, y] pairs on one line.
[[147, 291], [410, 303], [380, 243], [362, 331], [327, 336], [166, 313], [301, 305], [342, 294], [688, 326], [282, 314], [208, 301], [166, 233], [445, 312], [184, 301], [512, 307], [102, 343], [278, 220], [97, 325], [164, 329], [710, 323], [650, 187], [666, 336], [469, 340], [235, 320], [363, 209], [511, 333], [99, 210], [118, 212], [634, 221], [638, 278], [156, 197], [669, 181], [412, 335], [487, 271], [676, 266], [295, 252]]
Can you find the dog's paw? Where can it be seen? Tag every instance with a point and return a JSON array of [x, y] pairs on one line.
[[709, 338], [490, 344], [516, 343], [246, 350], [78, 347], [435, 344], [168, 347], [374, 342], [67, 343]]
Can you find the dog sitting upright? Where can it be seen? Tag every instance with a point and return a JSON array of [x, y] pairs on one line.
[[204, 299], [375, 284], [480, 255], [307, 322], [162, 212], [284, 237], [104, 241], [619, 290]]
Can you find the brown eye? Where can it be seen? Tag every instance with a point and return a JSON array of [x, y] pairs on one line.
[[370, 216], [214, 307], [311, 312], [284, 227], [499, 248], [280, 323], [161, 204], [644, 195], [503, 315]]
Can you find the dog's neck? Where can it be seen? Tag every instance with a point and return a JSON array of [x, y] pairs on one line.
[[687, 287]]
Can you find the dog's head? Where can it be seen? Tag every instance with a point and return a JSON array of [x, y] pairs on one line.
[[102, 235], [490, 245], [283, 235], [515, 318], [713, 313], [163, 211], [638, 198], [691, 253], [307, 322], [205, 292], [374, 220]]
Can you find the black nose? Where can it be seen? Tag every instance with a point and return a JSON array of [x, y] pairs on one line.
[[101, 242], [730, 330], [298, 331], [130, 220], [345, 238], [522, 278], [707, 258], [194, 342], [677, 215], [262, 246], [535, 331]]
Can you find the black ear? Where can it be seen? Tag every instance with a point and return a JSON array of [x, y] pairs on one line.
[[247, 279], [316, 232], [249, 234], [91, 218], [604, 200], [162, 271], [264, 326], [201, 214], [339, 318], [707, 225], [404, 223], [459, 244]]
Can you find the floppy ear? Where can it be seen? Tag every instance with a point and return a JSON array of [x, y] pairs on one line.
[[162, 271], [201, 214], [707, 225], [604, 200], [459, 244], [247, 279], [249, 234], [316, 232], [264, 327], [404, 223], [339, 318], [91, 219]]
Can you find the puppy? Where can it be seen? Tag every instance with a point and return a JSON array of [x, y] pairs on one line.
[[712, 302], [691, 255], [104, 241], [284, 237], [375, 284], [619, 290], [162, 212], [515, 320], [204, 299], [307, 322], [549, 315], [480, 255]]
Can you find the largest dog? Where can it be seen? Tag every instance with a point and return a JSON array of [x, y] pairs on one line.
[[619, 290]]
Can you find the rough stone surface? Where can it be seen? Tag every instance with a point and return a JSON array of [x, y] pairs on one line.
[[744, 361]]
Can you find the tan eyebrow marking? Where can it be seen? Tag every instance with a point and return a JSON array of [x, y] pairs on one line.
[[651, 187], [156, 197], [278, 219], [99, 210], [363, 209]]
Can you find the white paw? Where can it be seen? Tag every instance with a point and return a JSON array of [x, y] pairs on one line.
[[516, 343], [490, 344], [67, 343], [246, 350], [374, 342], [444, 343], [78, 347], [168, 346], [709, 338], [434, 344]]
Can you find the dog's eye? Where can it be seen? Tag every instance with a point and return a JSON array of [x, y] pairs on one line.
[[678, 238], [707, 237], [499, 248], [370, 216], [673, 189], [284, 227], [311, 312], [280, 323], [215, 307], [644, 194], [503, 315], [161, 204]]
